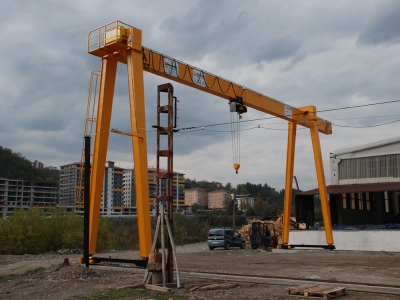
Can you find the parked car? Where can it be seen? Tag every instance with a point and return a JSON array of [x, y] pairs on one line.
[[225, 237]]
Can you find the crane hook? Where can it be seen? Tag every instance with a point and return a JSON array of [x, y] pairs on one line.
[[236, 166]]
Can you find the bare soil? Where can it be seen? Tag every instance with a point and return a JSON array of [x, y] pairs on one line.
[[260, 274]]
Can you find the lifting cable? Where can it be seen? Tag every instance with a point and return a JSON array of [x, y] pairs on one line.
[[236, 108], [235, 130]]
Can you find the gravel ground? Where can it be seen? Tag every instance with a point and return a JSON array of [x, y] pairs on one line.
[[43, 277]]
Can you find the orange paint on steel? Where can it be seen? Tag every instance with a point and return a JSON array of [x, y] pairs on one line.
[[287, 204], [106, 95], [139, 138]]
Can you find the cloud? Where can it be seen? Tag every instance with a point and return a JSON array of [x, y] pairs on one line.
[[281, 48], [301, 53], [383, 26]]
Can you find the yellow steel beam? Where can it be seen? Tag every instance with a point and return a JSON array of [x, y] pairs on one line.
[[183, 73], [320, 175], [287, 204], [139, 140], [106, 94]]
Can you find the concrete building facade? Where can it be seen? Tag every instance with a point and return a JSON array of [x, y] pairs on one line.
[[22, 194], [219, 199], [70, 186], [177, 190], [244, 201], [119, 194], [113, 191], [196, 196]]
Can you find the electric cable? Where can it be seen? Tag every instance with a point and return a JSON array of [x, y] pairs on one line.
[[273, 117]]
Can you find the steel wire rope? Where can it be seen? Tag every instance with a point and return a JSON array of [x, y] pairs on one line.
[[202, 128], [232, 138]]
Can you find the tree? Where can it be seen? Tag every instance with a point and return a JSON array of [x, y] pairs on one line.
[[250, 211], [261, 207], [229, 208], [15, 166], [195, 207]]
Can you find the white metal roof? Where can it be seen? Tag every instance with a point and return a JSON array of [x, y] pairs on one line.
[[367, 146]]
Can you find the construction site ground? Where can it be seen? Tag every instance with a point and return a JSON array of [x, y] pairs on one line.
[[260, 274]]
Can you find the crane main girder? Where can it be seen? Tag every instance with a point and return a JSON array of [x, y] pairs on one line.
[[173, 69]]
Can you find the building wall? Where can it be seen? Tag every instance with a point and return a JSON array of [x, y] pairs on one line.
[[219, 199], [244, 202], [37, 164], [383, 208], [113, 192], [21, 194], [360, 240], [177, 189], [129, 189], [119, 194], [370, 163], [69, 175], [196, 195]]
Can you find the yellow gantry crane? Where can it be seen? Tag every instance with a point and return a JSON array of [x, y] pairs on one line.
[[119, 42]]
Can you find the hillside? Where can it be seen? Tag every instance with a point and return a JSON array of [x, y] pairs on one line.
[[16, 166]]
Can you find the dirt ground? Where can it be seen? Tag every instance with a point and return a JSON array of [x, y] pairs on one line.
[[259, 274]]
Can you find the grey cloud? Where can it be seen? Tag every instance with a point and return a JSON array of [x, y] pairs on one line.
[[281, 48], [383, 27], [203, 29]]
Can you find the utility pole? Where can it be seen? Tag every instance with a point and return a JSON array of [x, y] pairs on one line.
[[234, 208]]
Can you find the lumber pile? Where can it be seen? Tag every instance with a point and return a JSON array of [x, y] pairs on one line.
[[273, 226], [211, 287]]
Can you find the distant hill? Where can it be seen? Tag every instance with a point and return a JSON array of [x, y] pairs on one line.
[[16, 166]]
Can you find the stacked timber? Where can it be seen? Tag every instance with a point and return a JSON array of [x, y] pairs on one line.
[[275, 227]]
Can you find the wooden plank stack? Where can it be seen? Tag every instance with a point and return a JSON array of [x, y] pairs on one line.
[[274, 226], [313, 290]]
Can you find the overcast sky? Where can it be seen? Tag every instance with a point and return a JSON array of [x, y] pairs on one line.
[[330, 54]]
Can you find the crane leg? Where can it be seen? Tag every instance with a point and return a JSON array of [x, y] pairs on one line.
[[106, 94], [289, 181], [139, 142], [321, 182]]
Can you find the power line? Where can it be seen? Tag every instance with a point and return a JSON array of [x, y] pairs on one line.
[[202, 127], [357, 106], [368, 126], [273, 117]]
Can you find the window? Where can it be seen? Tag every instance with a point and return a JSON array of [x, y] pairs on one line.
[[370, 167], [358, 201], [387, 201], [344, 200], [352, 201]]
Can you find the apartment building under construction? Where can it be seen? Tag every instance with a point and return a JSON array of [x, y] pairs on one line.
[[24, 194], [119, 194]]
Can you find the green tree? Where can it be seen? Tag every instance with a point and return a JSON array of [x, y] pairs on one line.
[[250, 211], [261, 207], [195, 207]]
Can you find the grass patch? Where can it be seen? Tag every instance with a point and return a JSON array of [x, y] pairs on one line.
[[121, 294], [34, 270], [5, 278]]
